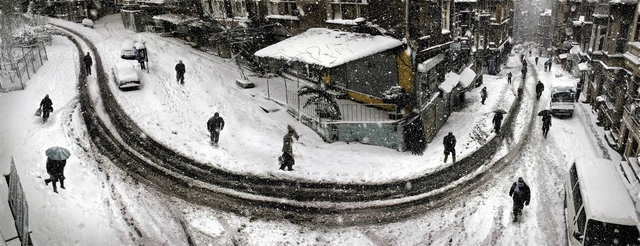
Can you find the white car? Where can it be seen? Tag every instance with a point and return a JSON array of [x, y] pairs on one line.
[[127, 50], [87, 22], [125, 75]]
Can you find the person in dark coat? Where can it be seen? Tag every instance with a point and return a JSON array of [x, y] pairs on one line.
[[180, 70], [215, 124], [546, 123], [483, 94], [497, 122], [55, 169], [449, 142], [521, 195], [578, 90], [141, 57], [509, 75], [46, 106], [524, 72], [286, 160], [539, 89], [537, 61], [88, 62]]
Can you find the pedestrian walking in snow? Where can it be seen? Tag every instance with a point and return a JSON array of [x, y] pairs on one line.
[[286, 160], [180, 70], [449, 143], [521, 195], [509, 75], [546, 123], [497, 122], [539, 90], [537, 61], [55, 169], [141, 57], [578, 90], [547, 65], [46, 106], [483, 94], [215, 124], [88, 62], [524, 72]]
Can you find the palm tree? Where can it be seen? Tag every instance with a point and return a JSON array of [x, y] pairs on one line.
[[326, 105]]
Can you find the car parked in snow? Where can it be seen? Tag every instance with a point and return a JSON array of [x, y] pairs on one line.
[[87, 22], [598, 207], [125, 75], [128, 50]]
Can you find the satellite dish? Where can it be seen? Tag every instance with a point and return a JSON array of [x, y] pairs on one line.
[[573, 8]]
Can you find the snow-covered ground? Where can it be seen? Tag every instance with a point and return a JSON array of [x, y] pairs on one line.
[[102, 206]]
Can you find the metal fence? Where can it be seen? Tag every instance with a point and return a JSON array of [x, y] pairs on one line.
[[349, 110], [15, 75]]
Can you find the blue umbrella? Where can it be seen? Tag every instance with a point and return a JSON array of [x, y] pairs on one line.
[[57, 153]]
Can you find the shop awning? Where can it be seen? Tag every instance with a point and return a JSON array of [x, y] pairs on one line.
[[466, 77], [450, 81]]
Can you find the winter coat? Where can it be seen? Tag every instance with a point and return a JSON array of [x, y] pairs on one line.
[[180, 68], [523, 196], [87, 60], [509, 74], [46, 104], [55, 168], [540, 87], [215, 124], [483, 93], [449, 142], [287, 142], [546, 121], [497, 119]]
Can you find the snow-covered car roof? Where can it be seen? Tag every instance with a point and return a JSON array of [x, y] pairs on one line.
[[328, 48], [607, 198], [127, 44], [125, 72]]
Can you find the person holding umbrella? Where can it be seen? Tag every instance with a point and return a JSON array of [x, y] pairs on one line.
[[56, 161]]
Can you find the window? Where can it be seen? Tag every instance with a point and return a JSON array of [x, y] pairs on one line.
[[577, 199], [348, 9], [445, 14], [283, 7], [601, 34], [573, 176], [582, 220]]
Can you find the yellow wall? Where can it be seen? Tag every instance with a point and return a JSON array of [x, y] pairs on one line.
[[404, 71]]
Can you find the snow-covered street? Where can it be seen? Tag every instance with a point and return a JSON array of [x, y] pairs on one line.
[[102, 205]]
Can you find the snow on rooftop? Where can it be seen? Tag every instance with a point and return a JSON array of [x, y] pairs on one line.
[[623, 1], [175, 18], [603, 190], [547, 12], [632, 58], [583, 66], [328, 48], [635, 44], [450, 81], [467, 76]]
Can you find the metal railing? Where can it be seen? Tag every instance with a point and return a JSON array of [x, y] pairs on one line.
[[15, 75], [349, 111]]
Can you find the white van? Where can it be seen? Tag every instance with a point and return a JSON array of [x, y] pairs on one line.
[[598, 207], [563, 98]]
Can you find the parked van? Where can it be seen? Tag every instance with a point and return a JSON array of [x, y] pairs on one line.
[[563, 98], [598, 207]]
